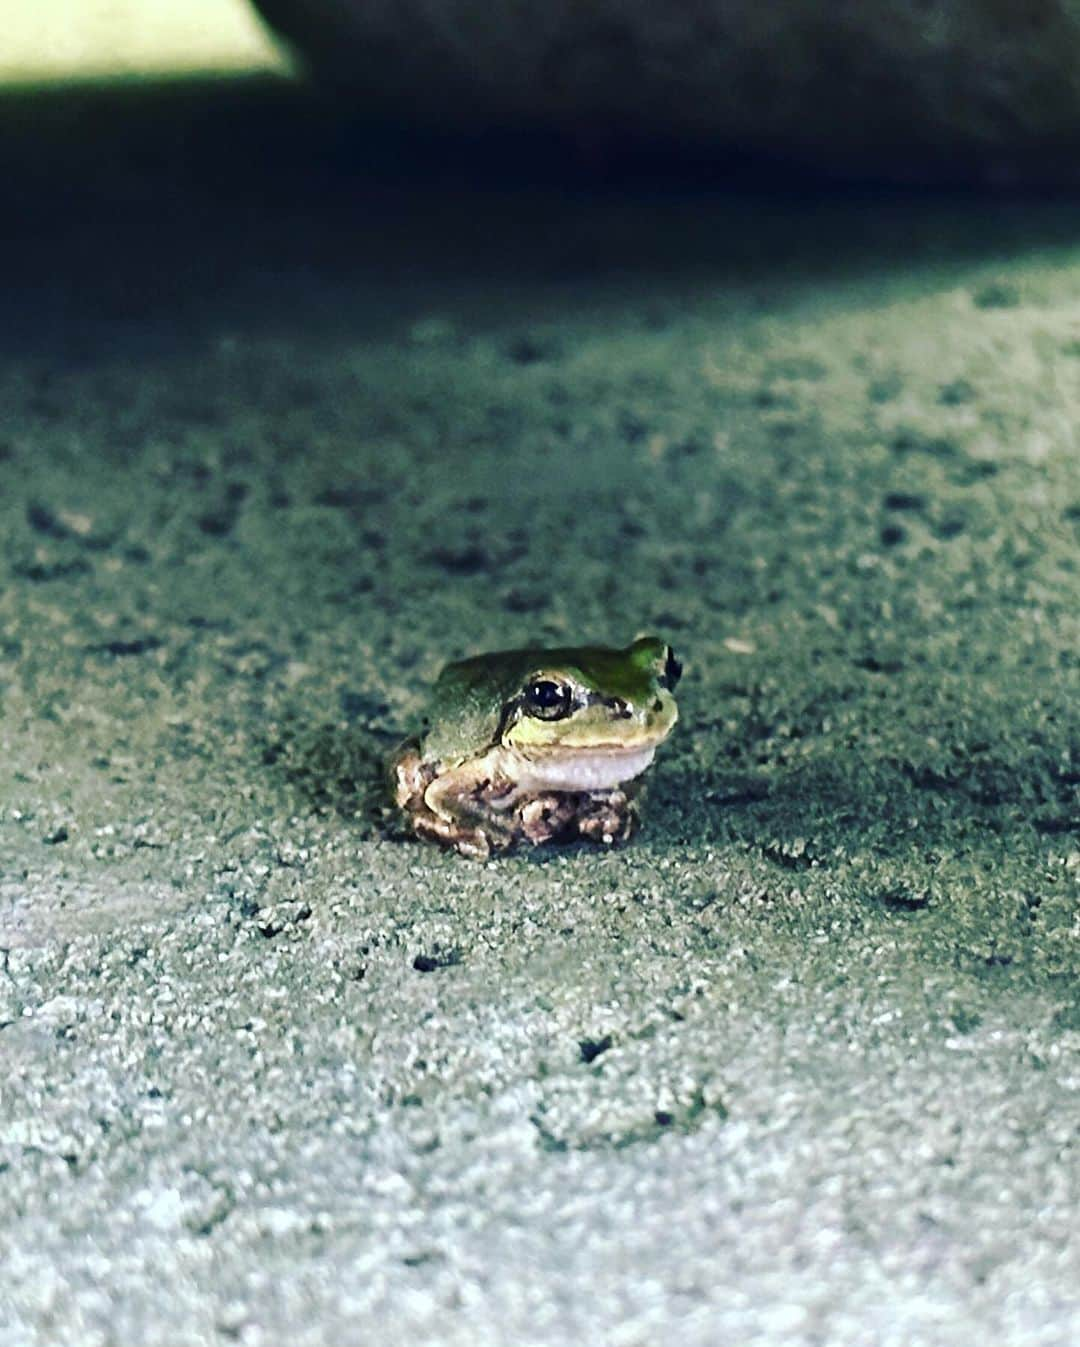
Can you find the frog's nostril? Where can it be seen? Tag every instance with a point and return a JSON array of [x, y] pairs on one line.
[[658, 706]]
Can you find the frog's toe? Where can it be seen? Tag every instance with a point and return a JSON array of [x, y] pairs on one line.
[[546, 817], [608, 820], [475, 845]]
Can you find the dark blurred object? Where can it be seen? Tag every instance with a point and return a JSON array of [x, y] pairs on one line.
[[984, 90]]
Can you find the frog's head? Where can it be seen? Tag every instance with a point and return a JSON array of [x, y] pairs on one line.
[[589, 718], [590, 697], [577, 718]]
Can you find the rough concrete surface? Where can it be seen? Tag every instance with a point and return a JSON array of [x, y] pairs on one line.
[[281, 430]]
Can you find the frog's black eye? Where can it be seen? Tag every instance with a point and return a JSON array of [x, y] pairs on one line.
[[546, 699], [672, 671]]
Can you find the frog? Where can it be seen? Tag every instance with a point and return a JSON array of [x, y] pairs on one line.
[[534, 746]]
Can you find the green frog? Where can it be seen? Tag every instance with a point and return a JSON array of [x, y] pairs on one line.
[[535, 746]]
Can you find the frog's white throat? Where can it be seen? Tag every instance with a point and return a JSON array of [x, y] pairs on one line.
[[580, 768]]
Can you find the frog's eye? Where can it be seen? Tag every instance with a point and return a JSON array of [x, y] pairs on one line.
[[546, 699], [672, 671]]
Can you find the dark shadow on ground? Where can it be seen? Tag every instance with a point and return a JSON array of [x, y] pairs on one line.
[[333, 767], [131, 207], [818, 813]]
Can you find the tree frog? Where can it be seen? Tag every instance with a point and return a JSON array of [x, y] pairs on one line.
[[537, 746]]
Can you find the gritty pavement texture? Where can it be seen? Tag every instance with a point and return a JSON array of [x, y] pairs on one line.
[[281, 430]]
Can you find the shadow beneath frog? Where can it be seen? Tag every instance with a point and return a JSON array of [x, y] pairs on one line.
[[820, 811], [811, 814], [336, 768], [342, 768]]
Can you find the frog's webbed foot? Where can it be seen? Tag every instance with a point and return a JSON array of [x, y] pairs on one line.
[[607, 818], [547, 818]]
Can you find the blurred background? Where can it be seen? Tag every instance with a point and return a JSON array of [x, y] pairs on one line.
[[914, 90]]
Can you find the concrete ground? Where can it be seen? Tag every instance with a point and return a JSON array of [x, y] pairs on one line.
[[286, 422]]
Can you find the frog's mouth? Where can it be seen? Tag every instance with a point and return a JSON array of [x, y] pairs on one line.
[[599, 768]]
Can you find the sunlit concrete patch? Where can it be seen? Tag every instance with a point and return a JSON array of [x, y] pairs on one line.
[[69, 39]]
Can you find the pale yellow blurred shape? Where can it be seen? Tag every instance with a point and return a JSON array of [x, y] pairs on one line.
[[90, 39]]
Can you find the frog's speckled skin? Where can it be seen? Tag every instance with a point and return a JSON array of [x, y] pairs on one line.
[[537, 746]]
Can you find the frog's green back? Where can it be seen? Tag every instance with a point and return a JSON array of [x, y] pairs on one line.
[[466, 703], [469, 695]]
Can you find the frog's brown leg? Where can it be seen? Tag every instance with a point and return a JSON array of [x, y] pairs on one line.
[[608, 817], [458, 810], [469, 842], [410, 778]]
